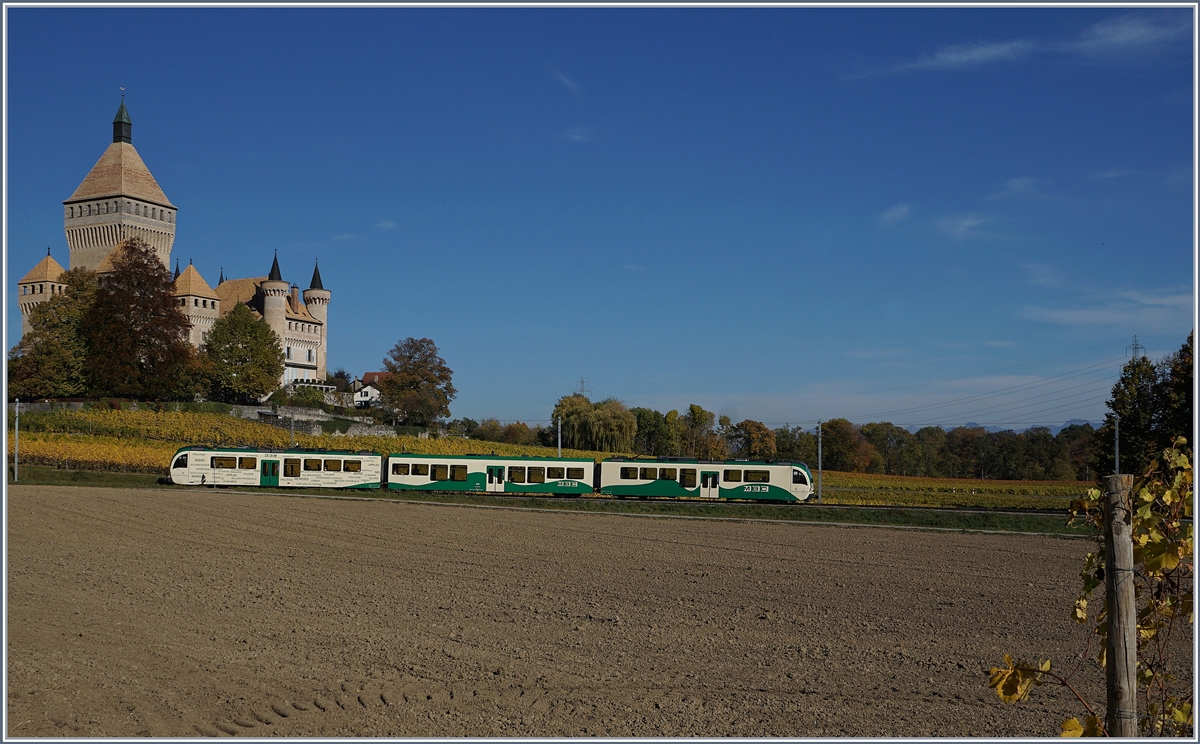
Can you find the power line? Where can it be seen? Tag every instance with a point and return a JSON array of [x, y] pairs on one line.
[[983, 396]]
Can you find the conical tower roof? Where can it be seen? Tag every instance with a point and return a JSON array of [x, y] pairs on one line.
[[316, 280], [275, 275], [191, 283], [47, 270], [120, 172]]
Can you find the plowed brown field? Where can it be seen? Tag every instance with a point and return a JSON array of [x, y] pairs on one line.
[[170, 612]]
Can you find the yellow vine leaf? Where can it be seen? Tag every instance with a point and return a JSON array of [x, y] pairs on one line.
[[1072, 728], [1080, 610], [1013, 682]]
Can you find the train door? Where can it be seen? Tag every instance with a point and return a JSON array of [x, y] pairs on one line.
[[709, 486], [495, 478], [270, 473]]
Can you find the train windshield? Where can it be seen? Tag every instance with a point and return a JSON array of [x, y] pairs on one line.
[[799, 477], [180, 462]]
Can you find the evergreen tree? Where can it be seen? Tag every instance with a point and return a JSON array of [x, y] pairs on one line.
[[1174, 399], [1134, 399], [50, 361], [245, 360]]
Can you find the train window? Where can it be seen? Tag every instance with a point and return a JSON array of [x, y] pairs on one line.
[[334, 466], [733, 476], [649, 473], [798, 477], [758, 476], [628, 473], [439, 473], [666, 473], [687, 477], [247, 463], [291, 468], [180, 462], [352, 466], [226, 463], [554, 473], [537, 475], [312, 465], [399, 468], [575, 473], [458, 472], [516, 475], [420, 468]]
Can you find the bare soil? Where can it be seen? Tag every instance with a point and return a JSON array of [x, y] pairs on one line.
[[171, 612]]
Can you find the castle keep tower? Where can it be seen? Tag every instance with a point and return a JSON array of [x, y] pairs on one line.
[[118, 199]]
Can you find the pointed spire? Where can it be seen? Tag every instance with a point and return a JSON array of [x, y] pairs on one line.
[[177, 268], [122, 126], [221, 279], [275, 275], [316, 280], [47, 250]]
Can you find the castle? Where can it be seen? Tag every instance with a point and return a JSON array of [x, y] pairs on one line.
[[119, 199]]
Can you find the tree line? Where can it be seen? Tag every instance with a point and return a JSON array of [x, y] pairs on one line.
[[1153, 401]]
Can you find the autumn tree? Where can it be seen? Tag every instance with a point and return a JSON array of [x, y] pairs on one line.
[[752, 440], [51, 360], [419, 388], [244, 355], [136, 333]]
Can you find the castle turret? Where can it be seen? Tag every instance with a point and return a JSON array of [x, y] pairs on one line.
[[316, 298], [40, 284], [118, 199], [275, 300], [199, 303]]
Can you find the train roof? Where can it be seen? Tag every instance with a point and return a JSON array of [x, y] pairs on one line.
[[270, 451], [512, 458], [693, 461]]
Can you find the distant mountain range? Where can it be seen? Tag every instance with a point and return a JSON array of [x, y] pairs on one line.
[[1054, 430]]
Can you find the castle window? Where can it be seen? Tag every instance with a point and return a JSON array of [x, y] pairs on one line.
[[310, 355], [289, 352], [41, 289], [195, 303]]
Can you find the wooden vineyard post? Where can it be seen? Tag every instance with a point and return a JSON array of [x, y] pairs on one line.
[[1121, 665]]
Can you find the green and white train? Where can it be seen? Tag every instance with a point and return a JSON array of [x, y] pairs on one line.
[[665, 478]]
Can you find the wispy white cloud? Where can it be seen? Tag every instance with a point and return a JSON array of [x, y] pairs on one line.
[[895, 214], [1128, 310], [578, 134], [1041, 274], [567, 81], [1113, 173], [999, 344], [961, 226], [385, 224], [1019, 188], [342, 237], [970, 55], [1131, 33]]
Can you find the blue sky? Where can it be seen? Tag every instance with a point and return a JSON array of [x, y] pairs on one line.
[[928, 216]]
